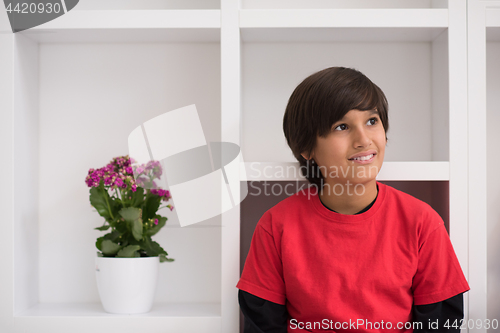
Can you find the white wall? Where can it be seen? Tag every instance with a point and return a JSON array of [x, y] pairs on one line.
[[271, 71]]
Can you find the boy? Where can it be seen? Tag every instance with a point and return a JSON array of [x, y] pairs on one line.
[[348, 254]]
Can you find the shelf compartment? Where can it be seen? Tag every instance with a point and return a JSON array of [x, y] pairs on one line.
[[414, 76], [390, 171], [76, 114]]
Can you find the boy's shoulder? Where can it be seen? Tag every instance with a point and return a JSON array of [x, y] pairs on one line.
[[398, 206], [408, 200], [405, 200], [289, 208], [412, 208], [296, 201], [392, 197]]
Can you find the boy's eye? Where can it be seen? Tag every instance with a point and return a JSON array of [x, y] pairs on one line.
[[336, 128], [374, 119]]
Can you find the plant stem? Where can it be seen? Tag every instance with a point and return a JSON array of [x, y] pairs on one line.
[[107, 202], [124, 198]]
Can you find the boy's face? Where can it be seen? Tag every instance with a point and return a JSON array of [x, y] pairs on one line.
[[358, 132]]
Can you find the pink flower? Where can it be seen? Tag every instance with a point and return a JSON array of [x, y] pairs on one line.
[[119, 173], [108, 180], [119, 182]]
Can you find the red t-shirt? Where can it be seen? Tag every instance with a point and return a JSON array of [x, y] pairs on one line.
[[334, 270]]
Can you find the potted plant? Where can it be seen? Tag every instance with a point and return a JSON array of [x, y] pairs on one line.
[[127, 260]]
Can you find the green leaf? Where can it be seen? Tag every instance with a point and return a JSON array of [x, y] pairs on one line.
[[130, 213], [98, 201], [163, 258], [121, 226], [113, 236], [161, 223], [152, 248], [137, 197], [133, 241], [150, 207], [109, 247], [136, 227], [103, 228], [99, 242], [129, 252], [116, 205], [132, 216]]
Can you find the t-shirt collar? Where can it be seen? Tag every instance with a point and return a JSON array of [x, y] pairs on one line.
[[338, 217]]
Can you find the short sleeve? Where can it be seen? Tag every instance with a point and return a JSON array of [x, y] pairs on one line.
[[439, 275], [263, 271]]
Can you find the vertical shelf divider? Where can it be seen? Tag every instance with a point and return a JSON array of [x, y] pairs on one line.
[[230, 132], [477, 200], [7, 169], [457, 58]]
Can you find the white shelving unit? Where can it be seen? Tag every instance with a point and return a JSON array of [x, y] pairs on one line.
[[484, 80], [73, 89], [492, 140]]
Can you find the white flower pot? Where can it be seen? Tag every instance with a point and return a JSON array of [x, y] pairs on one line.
[[127, 285]]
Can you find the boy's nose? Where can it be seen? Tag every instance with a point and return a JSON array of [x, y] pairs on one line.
[[361, 138]]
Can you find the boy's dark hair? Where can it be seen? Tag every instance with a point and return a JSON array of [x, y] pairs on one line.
[[321, 100]]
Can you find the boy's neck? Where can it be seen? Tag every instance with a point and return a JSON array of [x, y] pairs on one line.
[[347, 201]]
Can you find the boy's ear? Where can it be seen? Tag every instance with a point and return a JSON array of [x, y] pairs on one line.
[[306, 156]]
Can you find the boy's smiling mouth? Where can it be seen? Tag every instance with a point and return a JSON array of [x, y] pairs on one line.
[[364, 157]]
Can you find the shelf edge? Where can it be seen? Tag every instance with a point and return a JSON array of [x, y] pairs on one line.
[[134, 19], [401, 171], [344, 18]]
